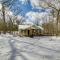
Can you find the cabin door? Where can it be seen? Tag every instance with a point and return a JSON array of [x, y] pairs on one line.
[[28, 32]]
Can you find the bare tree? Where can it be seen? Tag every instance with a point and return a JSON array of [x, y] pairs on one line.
[[5, 3], [55, 5]]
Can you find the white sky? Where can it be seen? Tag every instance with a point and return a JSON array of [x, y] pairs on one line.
[[0, 6], [9, 13]]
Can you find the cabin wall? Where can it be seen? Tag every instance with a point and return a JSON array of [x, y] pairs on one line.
[[30, 32]]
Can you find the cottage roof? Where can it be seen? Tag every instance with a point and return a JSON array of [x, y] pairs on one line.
[[36, 27], [24, 26], [30, 27]]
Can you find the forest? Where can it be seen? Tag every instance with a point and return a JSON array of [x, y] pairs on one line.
[[50, 21]]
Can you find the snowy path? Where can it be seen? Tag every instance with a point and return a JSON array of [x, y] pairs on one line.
[[25, 48]]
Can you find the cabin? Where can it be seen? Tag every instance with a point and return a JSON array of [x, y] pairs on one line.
[[30, 30]]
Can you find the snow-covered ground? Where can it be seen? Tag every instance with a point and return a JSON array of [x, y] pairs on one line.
[[25, 48]]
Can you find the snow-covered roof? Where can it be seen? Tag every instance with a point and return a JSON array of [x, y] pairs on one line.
[[24, 26], [40, 27], [30, 26]]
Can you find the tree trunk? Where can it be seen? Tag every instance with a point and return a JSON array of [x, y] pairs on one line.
[[57, 22], [3, 12]]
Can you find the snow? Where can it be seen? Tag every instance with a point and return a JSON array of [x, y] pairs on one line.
[[26, 48], [24, 26]]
